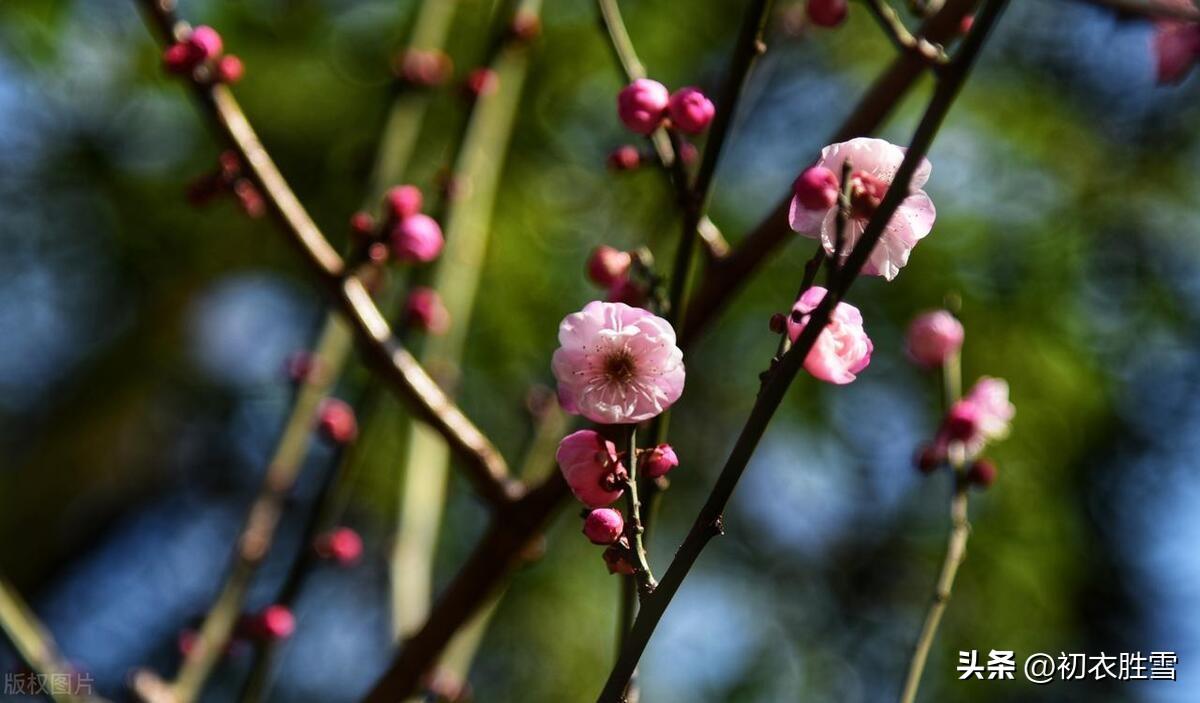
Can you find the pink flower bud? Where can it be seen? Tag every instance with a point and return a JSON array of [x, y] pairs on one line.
[[482, 81], [624, 158], [1176, 46], [179, 58], [424, 310], [417, 238], [404, 201], [656, 462], [526, 26], [982, 473], [230, 69], [691, 111], [336, 421], [827, 13], [425, 68], [362, 225], [274, 623], [965, 24], [205, 43], [616, 558], [962, 421], [589, 464], [929, 457], [608, 266], [816, 188], [603, 526], [342, 545], [249, 198], [688, 153], [627, 291], [933, 338], [642, 104]]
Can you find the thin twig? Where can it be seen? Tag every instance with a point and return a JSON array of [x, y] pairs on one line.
[[904, 40], [484, 465], [634, 529], [956, 544], [36, 647], [709, 522]]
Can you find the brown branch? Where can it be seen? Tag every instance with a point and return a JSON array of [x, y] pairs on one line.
[[726, 277], [709, 521], [484, 465]]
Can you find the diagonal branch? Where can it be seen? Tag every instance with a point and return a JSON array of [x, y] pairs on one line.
[[708, 522], [483, 463]]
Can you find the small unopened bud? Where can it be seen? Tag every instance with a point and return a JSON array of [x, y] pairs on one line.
[[642, 104], [205, 42], [608, 266], [303, 366], [816, 188], [425, 68], [481, 82], [249, 198], [343, 545], [336, 421], [962, 421], [526, 26], [603, 525], [688, 153], [982, 473], [627, 291], [778, 323], [616, 558], [404, 201], [827, 13], [425, 311], [928, 458], [274, 623], [690, 110], [965, 24], [624, 158], [657, 462], [362, 226], [933, 338], [377, 253], [230, 69], [417, 238], [179, 58]]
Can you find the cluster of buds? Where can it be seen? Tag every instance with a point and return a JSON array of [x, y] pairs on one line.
[[614, 271], [201, 55], [981, 417], [342, 545], [227, 178], [645, 105]]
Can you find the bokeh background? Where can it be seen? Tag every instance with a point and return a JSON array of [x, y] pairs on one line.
[[142, 341]]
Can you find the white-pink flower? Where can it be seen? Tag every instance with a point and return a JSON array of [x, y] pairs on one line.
[[873, 163], [995, 412], [843, 347], [617, 364]]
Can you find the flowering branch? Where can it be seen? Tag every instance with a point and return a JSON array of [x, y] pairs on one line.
[[484, 464], [725, 277], [709, 521], [956, 547], [666, 150]]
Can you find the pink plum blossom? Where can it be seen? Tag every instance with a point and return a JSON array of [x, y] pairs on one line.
[[642, 104], [617, 364], [983, 415], [843, 347], [591, 468], [603, 526], [933, 337], [874, 163]]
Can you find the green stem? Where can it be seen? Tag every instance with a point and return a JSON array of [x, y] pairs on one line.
[[34, 644]]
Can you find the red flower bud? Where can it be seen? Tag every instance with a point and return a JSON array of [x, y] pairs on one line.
[[336, 421]]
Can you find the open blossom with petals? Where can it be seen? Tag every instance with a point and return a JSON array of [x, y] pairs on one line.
[[933, 337], [981, 416], [591, 468], [617, 364], [874, 163], [843, 347]]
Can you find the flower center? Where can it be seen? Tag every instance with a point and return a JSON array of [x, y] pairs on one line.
[[619, 367], [866, 192]]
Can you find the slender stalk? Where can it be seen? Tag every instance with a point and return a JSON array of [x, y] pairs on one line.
[[904, 40], [426, 459], [956, 545], [36, 646], [709, 521], [633, 528]]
